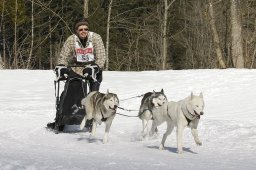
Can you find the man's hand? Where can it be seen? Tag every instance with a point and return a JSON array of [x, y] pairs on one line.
[[61, 71], [91, 71]]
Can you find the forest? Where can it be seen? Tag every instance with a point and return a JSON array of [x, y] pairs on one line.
[[138, 34]]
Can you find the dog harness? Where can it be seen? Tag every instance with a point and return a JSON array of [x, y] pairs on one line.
[[103, 119], [146, 110], [191, 117]]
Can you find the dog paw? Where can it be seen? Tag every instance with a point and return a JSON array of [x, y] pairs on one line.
[[180, 151], [92, 136], [161, 147], [199, 143], [105, 140], [144, 137], [151, 133]]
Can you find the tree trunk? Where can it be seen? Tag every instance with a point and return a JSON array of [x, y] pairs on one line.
[[164, 35], [32, 35], [236, 36], [253, 57], [1, 62], [166, 8], [86, 12], [4, 49], [216, 38], [50, 42], [107, 39], [15, 53], [2, 58]]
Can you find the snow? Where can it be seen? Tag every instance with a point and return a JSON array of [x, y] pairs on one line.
[[227, 129]]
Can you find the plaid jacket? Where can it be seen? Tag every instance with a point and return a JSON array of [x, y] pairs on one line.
[[67, 53]]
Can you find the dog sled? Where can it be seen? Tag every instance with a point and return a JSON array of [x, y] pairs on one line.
[[69, 110]]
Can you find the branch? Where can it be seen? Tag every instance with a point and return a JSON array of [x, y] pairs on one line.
[[39, 3], [170, 4]]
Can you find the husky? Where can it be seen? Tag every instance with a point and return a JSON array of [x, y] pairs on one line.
[[101, 108], [149, 103], [184, 113]]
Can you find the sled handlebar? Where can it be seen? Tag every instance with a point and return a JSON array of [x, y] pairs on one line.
[[70, 77], [81, 64]]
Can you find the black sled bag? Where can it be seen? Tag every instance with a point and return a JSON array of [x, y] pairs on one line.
[[69, 110]]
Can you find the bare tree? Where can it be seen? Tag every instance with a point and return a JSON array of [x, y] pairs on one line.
[[32, 35], [249, 32], [50, 47], [165, 17], [15, 52], [236, 36], [86, 12], [2, 59], [107, 39], [216, 37], [1, 62]]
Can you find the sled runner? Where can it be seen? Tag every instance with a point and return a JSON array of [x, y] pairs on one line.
[[68, 106]]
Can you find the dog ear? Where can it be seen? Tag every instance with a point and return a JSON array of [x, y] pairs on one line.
[[191, 96], [107, 91], [201, 95], [162, 91], [154, 92]]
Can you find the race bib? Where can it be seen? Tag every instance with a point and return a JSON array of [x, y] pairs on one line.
[[84, 55]]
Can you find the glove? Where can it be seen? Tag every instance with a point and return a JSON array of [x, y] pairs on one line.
[[91, 71], [61, 71]]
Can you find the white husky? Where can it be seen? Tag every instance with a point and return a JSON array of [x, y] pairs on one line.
[[184, 113], [101, 108], [149, 103]]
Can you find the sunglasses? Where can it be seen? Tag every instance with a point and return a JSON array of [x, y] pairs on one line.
[[83, 29]]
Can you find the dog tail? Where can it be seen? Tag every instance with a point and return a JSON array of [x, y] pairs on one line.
[[82, 124]]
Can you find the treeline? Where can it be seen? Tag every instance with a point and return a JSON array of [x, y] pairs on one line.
[[138, 34]]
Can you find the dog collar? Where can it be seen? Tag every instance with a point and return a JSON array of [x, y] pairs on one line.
[[189, 117]]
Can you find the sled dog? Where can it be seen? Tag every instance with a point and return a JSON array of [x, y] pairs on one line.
[[101, 108], [184, 113], [149, 103]]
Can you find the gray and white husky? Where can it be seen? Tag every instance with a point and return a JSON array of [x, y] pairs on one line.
[[149, 103], [181, 114], [101, 108]]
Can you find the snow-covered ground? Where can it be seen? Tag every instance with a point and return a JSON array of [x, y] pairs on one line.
[[227, 129]]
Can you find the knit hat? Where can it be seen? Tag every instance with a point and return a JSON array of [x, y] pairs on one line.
[[81, 21]]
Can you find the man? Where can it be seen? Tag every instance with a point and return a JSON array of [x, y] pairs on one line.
[[83, 53], [86, 50]]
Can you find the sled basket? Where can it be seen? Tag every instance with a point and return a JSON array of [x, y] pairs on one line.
[[69, 110]]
